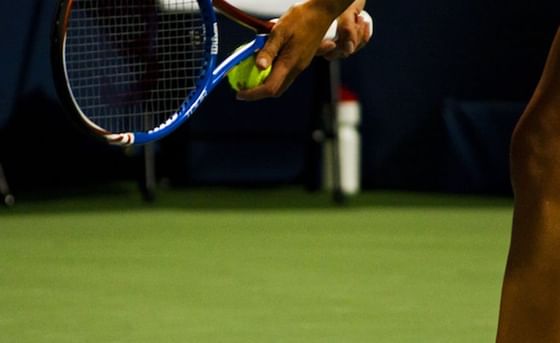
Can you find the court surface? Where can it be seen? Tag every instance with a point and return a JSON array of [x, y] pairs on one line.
[[215, 265]]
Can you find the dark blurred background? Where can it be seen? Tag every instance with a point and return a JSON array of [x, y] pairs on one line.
[[441, 87]]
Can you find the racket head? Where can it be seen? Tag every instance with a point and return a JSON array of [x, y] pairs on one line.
[[132, 73]]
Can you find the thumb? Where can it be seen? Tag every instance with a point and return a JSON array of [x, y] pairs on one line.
[[268, 53]]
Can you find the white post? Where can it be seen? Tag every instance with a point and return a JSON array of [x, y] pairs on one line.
[[349, 140]]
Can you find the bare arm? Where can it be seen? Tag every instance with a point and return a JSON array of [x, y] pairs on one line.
[[297, 38], [530, 306]]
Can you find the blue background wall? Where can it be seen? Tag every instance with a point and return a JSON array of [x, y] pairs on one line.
[[441, 85], [427, 52]]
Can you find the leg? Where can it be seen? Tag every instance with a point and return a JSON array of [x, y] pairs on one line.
[[530, 304]]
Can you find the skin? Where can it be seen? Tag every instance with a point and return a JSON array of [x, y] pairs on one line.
[[530, 304], [353, 34], [297, 37]]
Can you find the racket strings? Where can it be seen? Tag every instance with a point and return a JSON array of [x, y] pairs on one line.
[[131, 64]]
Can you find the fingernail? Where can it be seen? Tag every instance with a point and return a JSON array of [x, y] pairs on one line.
[[349, 48], [263, 63]]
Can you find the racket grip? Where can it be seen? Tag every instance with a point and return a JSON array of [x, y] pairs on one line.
[[332, 34]]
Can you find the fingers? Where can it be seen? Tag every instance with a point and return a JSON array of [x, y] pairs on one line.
[[268, 53], [348, 33], [274, 84], [294, 41], [326, 47], [282, 76], [353, 35], [290, 52], [366, 34]]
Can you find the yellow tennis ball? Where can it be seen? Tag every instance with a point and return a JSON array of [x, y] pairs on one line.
[[247, 75]]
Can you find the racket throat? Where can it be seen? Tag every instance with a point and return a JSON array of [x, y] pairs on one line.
[[237, 57], [242, 18]]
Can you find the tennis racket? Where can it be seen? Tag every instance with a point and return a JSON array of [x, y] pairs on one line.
[[132, 72]]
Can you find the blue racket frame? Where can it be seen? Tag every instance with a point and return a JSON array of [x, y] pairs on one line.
[[205, 85], [212, 75]]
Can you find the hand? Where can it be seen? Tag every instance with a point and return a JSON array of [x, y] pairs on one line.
[[292, 44], [353, 33]]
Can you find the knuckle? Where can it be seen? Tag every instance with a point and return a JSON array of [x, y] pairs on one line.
[[269, 91], [345, 30]]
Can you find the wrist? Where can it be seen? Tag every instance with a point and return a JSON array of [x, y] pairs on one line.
[[331, 9]]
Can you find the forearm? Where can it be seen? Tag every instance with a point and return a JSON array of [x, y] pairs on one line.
[[334, 8], [361, 4]]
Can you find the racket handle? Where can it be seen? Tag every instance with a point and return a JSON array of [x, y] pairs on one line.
[[331, 32]]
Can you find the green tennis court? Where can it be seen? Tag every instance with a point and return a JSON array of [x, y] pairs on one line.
[[214, 265]]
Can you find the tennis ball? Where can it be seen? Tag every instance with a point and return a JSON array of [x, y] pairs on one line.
[[247, 75]]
